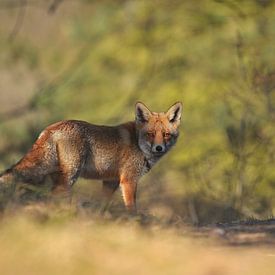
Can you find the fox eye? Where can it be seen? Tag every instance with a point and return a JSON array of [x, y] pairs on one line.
[[150, 135], [167, 135]]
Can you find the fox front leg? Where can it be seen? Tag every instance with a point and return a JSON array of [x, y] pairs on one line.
[[129, 189]]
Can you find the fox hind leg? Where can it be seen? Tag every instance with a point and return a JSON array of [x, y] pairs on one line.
[[108, 189], [69, 168], [63, 182]]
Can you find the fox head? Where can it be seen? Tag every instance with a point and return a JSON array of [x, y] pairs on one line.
[[157, 132]]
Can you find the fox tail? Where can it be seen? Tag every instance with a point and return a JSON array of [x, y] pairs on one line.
[[6, 176]]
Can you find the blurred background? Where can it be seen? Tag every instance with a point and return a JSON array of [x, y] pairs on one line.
[[92, 60]]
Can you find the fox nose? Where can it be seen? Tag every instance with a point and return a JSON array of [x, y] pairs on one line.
[[158, 148]]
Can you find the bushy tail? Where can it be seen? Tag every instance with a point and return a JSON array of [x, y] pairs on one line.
[[7, 187], [6, 177]]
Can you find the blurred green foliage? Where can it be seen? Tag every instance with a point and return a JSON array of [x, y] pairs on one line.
[[98, 57]]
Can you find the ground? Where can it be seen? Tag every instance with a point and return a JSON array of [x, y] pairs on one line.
[[48, 239]]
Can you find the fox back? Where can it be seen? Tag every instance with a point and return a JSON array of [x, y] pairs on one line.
[[118, 155]]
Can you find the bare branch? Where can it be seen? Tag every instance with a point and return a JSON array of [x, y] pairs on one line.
[[15, 113], [50, 88], [19, 20], [12, 4], [54, 6]]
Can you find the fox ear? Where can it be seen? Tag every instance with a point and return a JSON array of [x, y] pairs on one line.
[[142, 113], [174, 113]]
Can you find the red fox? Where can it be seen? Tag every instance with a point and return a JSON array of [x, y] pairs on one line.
[[118, 155]]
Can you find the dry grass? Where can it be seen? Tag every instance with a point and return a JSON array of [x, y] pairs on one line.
[[53, 240]]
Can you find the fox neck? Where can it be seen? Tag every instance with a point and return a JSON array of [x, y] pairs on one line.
[[150, 162]]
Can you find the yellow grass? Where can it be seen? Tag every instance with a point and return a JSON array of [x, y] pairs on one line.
[[60, 242]]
